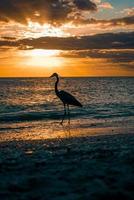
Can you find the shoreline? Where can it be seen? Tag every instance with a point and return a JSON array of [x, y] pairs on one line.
[[53, 130]]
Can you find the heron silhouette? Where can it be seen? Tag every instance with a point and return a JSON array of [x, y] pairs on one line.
[[66, 98]]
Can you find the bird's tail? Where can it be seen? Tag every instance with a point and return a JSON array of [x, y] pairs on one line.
[[79, 104]]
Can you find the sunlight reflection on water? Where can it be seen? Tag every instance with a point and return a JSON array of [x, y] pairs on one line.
[[29, 108]]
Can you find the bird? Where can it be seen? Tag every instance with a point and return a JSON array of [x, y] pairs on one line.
[[66, 98]]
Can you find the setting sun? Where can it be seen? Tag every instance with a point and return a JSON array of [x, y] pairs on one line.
[[42, 58], [42, 53]]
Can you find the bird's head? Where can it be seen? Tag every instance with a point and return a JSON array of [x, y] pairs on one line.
[[54, 75]]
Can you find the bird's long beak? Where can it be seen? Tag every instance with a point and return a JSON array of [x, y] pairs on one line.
[[51, 76]]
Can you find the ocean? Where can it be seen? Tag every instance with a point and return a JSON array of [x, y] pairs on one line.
[[29, 108]]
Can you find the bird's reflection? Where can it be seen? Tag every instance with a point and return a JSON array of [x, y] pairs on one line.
[[67, 131]]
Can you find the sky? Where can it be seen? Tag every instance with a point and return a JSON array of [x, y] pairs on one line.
[[70, 37]]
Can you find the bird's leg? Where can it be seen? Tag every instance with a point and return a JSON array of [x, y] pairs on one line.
[[68, 114], [64, 114]]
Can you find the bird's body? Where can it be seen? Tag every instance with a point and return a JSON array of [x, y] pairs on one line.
[[66, 98]]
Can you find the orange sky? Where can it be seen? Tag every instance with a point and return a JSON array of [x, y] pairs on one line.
[[90, 38], [28, 64]]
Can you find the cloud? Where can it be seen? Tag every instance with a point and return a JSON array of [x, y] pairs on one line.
[[85, 5], [53, 11], [99, 41], [114, 48], [105, 5], [128, 11], [128, 20], [8, 38], [122, 58], [124, 21], [92, 26], [79, 28], [97, 1], [115, 55]]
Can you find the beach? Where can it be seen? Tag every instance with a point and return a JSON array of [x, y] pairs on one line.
[[95, 167], [91, 158], [67, 100]]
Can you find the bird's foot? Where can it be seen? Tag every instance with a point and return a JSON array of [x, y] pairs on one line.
[[69, 122], [61, 123]]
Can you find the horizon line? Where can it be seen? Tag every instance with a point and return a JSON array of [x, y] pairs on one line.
[[4, 77]]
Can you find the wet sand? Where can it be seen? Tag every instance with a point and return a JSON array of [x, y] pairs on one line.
[[95, 168]]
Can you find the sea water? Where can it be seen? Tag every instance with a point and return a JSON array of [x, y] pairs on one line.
[[29, 107]]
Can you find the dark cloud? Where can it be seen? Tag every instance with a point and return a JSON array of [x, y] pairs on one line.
[[55, 12], [7, 43], [99, 41], [8, 38], [125, 21], [117, 21], [52, 11], [129, 20], [121, 56], [85, 5]]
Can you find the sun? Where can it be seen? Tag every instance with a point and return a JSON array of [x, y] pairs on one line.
[[42, 58], [43, 53]]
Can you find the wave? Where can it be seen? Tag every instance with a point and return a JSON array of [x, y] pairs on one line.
[[32, 116], [103, 112]]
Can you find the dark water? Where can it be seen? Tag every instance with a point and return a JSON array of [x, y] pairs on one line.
[[28, 103]]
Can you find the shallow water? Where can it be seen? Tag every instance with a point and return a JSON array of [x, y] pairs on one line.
[[29, 107]]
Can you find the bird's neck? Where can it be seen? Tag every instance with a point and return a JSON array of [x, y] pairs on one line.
[[56, 85]]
